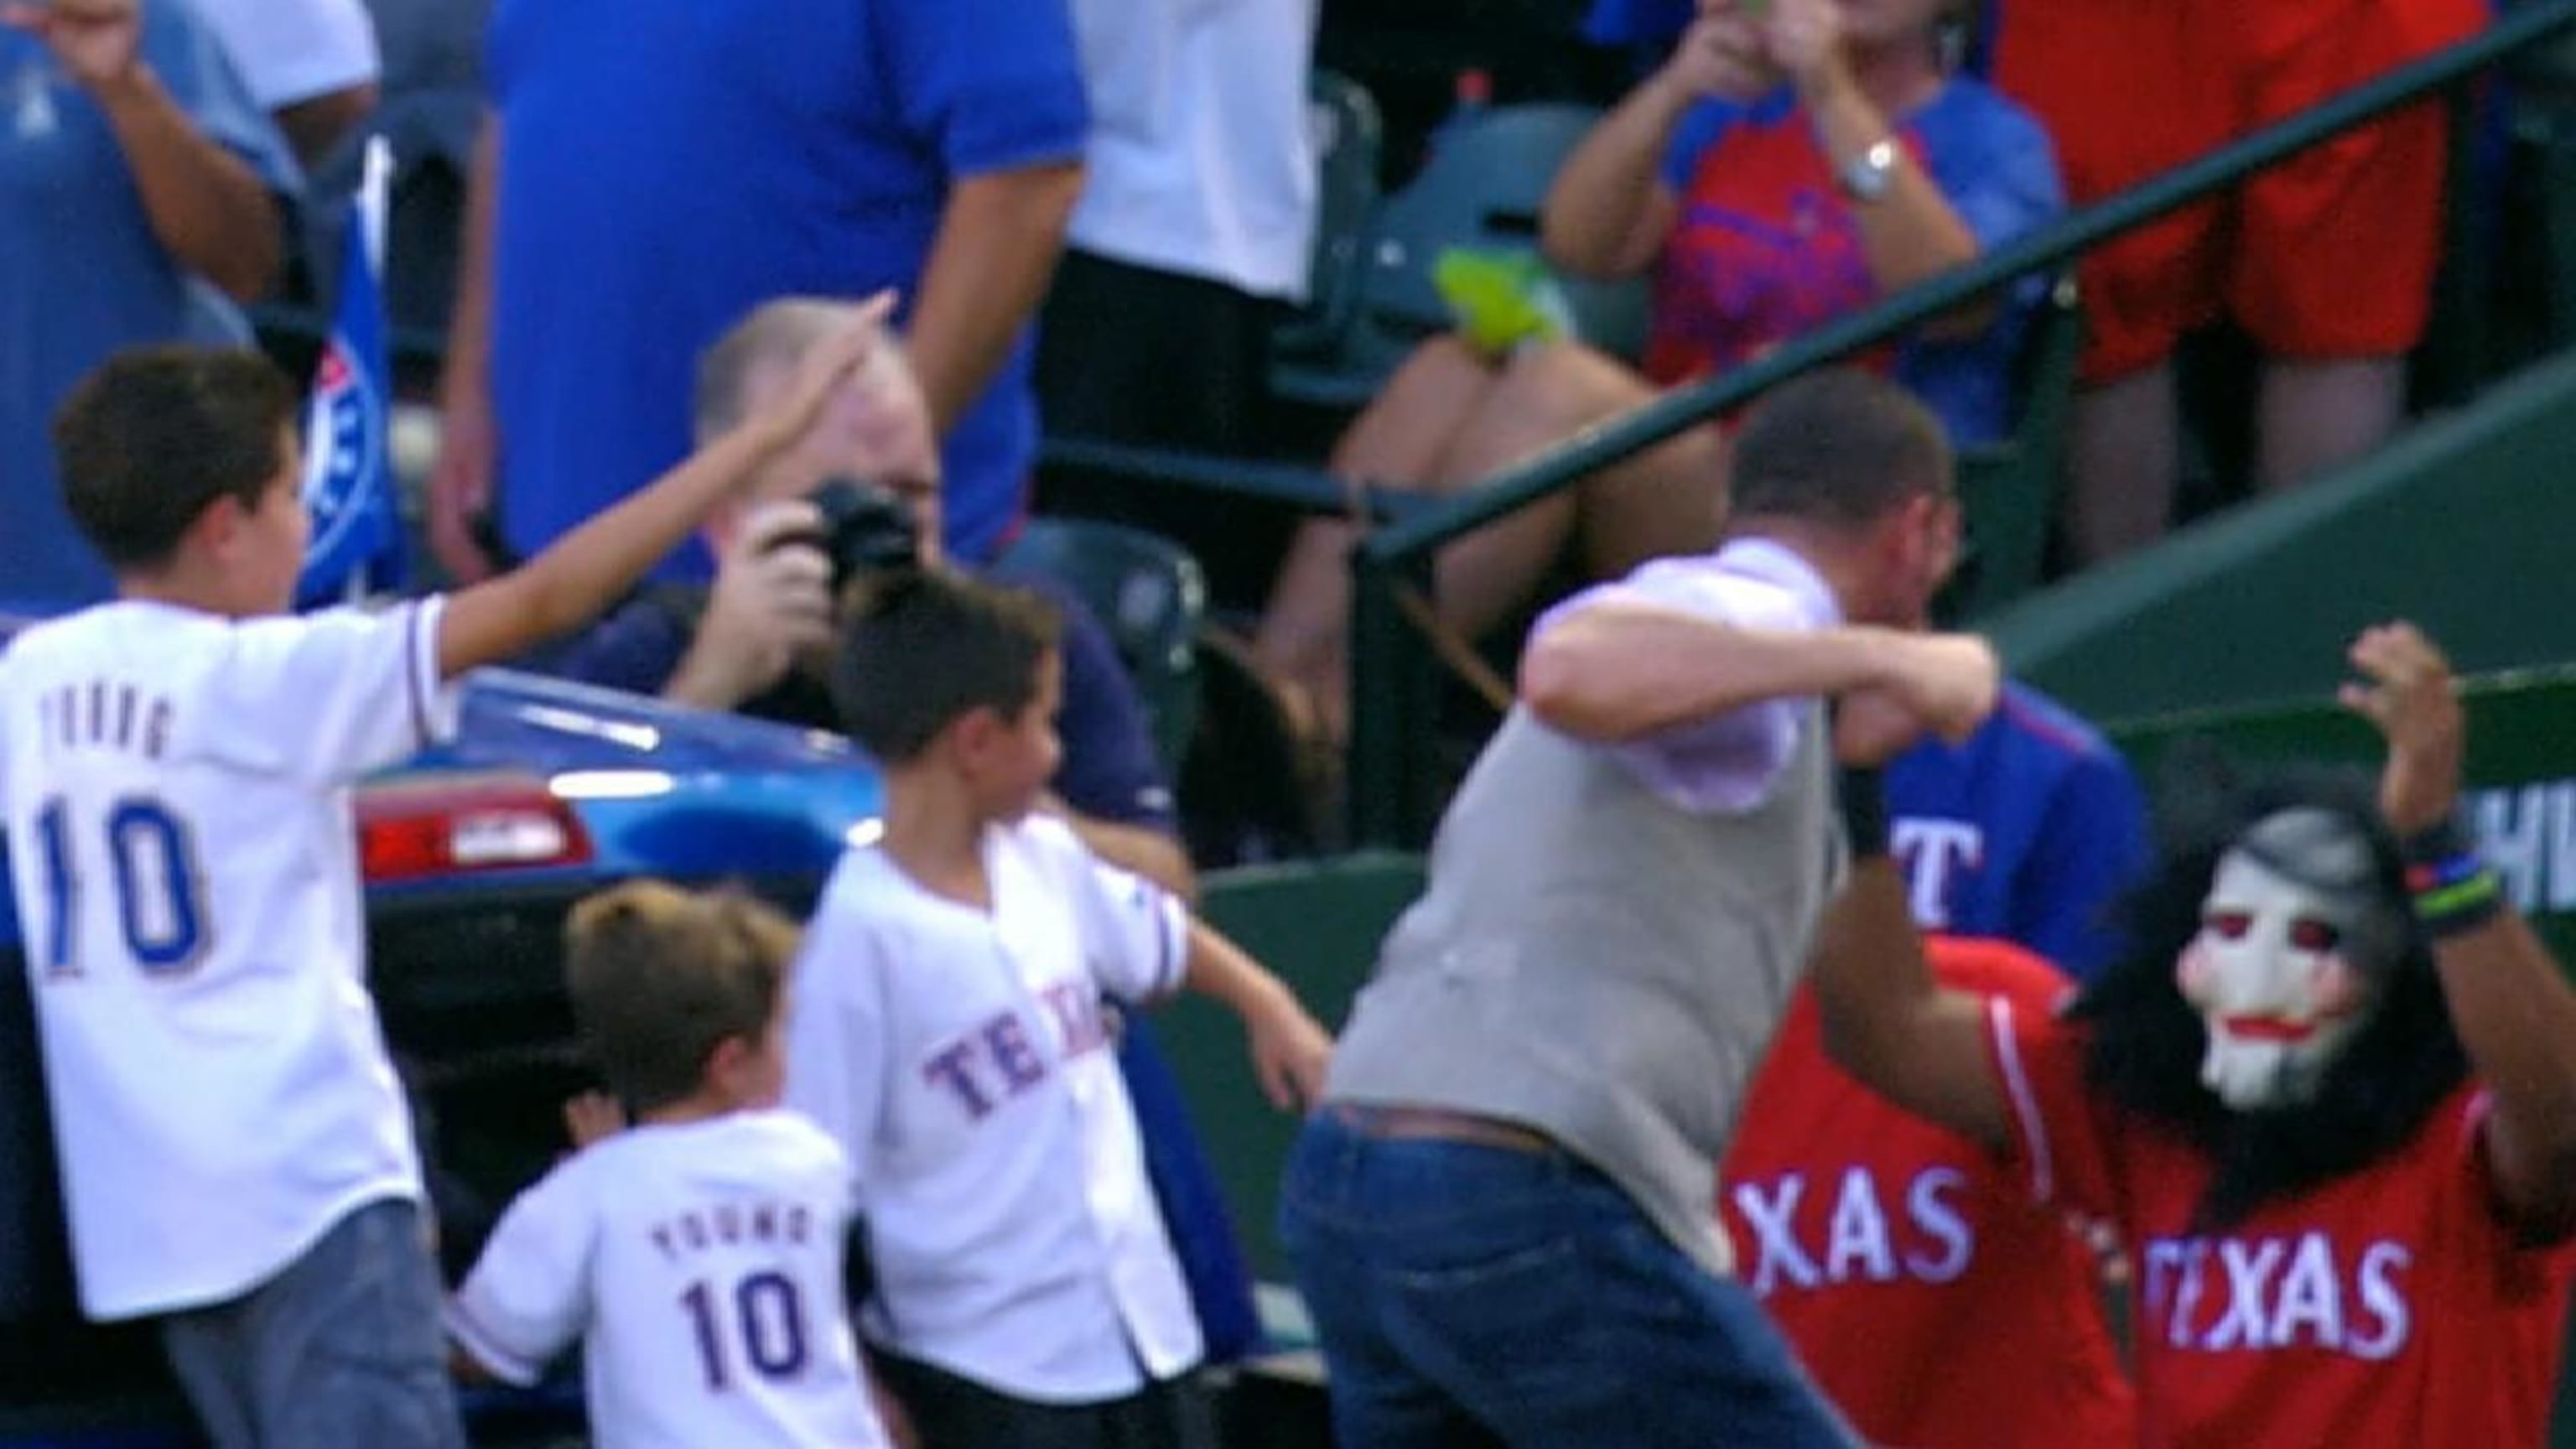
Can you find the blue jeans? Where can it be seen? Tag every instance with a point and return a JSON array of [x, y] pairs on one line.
[[341, 1350], [1475, 1295]]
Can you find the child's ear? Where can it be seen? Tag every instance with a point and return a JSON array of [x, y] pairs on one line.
[[973, 733], [217, 525]]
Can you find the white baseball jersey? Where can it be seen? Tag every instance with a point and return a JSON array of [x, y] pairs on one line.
[[175, 789], [962, 1059], [701, 1263]]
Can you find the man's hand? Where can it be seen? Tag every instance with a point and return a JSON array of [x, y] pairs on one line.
[[97, 41], [772, 602], [2408, 693], [1943, 683], [1722, 55]]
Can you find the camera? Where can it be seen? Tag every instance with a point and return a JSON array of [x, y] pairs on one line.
[[866, 529]]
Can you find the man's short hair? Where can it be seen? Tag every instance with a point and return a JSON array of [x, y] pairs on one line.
[[775, 333], [660, 977], [150, 440], [922, 648], [1839, 447]]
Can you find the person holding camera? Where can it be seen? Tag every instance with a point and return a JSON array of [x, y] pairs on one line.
[[861, 493]]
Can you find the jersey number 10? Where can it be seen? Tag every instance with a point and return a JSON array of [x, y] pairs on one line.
[[765, 1318], [160, 890]]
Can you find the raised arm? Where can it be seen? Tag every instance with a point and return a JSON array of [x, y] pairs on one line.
[[2509, 997], [1619, 669], [206, 207], [1608, 210], [1886, 1020], [469, 447], [586, 570]]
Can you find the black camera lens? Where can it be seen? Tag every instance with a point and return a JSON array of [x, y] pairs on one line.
[[866, 529]]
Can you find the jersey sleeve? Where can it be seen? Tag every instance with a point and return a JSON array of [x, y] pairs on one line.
[[1134, 933], [332, 696], [2059, 1142], [528, 1297], [983, 104], [189, 58], [837, 1032]]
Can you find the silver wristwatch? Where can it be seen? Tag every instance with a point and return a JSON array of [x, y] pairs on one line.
[[1866, 177]]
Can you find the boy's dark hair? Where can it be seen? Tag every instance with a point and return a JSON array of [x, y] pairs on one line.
[[921, 648], [1838, 447], [660, 977], [149, 440]]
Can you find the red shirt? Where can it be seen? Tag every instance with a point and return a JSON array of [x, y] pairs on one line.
[[2387, 1309], [1928, 1295]]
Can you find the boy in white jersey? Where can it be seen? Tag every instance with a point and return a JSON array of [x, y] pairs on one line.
[[174, 778], [948, 1027], [698, 1254]]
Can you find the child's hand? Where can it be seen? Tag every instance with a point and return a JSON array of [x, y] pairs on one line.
[[591, 1116], [1289, 1053], [833, 359]]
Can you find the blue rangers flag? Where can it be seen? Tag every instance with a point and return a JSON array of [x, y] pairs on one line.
[[357, 544]]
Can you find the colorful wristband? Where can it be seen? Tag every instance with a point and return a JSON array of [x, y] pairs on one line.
[[1862, 797], [2453, 888]]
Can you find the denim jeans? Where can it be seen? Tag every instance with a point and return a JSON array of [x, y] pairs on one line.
[[341, 1350], [1475, 1295]]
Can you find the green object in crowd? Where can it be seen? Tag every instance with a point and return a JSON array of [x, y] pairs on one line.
[[1501, 299]]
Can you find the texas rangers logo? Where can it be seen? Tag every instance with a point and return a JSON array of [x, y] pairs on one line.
[[345, 449]]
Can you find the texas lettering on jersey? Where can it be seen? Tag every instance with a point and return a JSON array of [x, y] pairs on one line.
[[1934, 853], [1854, 1229], [1002, 1058], [2226, 1294]]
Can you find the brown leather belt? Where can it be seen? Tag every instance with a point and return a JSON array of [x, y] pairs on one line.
[[1441, 1124]]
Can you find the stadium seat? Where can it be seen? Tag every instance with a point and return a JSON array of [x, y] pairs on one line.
[[1350, 145], [1150, 595], [1483, 188]]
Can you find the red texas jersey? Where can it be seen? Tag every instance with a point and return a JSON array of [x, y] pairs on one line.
[[2388, 1309], [1929, 1296]]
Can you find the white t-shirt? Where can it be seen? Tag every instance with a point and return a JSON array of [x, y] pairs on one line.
[[963, 1061], [293, 50], [1202, 157], [176, 792], [701, 1263]]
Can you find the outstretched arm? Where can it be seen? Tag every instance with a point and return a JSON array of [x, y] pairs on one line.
[[1886, 1020], [2509, 999], [586, 570]]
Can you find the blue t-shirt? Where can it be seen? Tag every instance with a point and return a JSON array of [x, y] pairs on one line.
[[667, 167], [81, 274], [1109, 772], [1766, 248], [2028, 831]]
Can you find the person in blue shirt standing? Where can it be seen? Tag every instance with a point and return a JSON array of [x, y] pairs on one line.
[[648, 173], [131, 160], [2026, 831]]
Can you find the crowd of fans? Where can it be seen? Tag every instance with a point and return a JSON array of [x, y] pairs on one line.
[[1083, 218]]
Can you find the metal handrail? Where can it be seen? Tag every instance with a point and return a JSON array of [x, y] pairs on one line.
[[1389, 800]]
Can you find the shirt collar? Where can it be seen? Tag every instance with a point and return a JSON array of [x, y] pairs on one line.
[[1772, 562]]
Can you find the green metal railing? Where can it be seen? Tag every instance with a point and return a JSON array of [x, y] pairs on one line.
[[1393, 784]]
